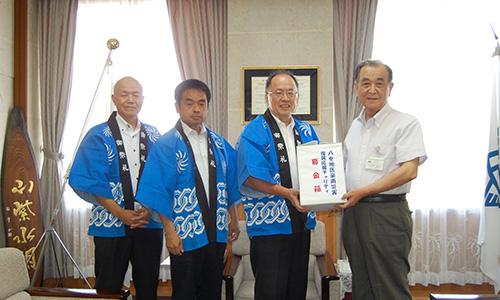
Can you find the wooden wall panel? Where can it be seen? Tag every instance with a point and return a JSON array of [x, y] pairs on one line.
[[331, 232], [21, 55]]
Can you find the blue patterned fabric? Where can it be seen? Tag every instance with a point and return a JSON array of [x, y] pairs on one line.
[[266, 214], [168, 186], [95, 172]]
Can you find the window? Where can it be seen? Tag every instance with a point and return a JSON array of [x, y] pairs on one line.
[[440, 52], [146, 52]]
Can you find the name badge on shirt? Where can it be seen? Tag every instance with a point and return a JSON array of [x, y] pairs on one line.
[[375, 163]]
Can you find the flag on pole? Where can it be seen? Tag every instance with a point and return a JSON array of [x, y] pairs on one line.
[[489, 230]]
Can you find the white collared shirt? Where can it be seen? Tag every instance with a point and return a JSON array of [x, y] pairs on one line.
[[131, 141], [289, 138], [391, 138], [200, 151]]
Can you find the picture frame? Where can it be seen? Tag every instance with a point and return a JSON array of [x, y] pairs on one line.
[[254, 89]]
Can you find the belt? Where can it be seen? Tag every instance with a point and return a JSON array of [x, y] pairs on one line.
[[382, 198]]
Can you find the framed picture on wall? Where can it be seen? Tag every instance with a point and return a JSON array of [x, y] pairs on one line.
[[254, 91]]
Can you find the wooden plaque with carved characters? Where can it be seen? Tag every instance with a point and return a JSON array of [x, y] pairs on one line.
[[21, 191]]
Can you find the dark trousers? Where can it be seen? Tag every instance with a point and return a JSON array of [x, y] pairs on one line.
[[142, 249], [377, 239], [197, 274], [280, 264]]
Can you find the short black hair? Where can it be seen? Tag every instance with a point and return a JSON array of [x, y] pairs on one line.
[[191, 84], [280, 72], [371, 62]]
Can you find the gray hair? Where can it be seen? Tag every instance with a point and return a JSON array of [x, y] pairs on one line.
[[371, 62]]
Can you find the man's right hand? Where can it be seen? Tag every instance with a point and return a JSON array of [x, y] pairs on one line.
[[129, 217], [172, 239], [143, 218], [174, 243], [132, 218], [293, 196], [276, 189]]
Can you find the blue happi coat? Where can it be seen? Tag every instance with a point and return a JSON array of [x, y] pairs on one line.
[[95, 172], [266, 214], [168, 186]]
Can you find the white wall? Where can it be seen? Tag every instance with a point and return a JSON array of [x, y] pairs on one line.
[[6, 76], [280, 32]]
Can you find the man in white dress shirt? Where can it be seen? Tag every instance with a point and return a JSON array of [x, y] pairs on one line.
[[384, 149], [190, 180], [279, 227], [106, 171]]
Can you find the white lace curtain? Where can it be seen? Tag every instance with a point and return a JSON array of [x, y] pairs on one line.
[[445, 248]]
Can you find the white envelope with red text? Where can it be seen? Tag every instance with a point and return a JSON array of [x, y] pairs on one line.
[[321, 175]]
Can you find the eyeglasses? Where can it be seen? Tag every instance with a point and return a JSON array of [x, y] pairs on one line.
[[278, 94]]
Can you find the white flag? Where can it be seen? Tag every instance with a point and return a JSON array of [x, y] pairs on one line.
[[489, 230]]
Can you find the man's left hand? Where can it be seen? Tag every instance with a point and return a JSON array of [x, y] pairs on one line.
[[143, 219], [234, 231], [352, 198]]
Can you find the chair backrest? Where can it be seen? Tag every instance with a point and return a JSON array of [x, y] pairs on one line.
[[318, 240], [14, 276], [241, 246]]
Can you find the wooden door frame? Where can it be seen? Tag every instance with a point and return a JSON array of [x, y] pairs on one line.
[[21, 56]]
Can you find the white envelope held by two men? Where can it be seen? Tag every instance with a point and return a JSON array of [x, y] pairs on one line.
[[321, 175]]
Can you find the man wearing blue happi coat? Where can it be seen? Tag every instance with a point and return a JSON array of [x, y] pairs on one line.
[[107, 167], [190, 180], [279, 227]]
